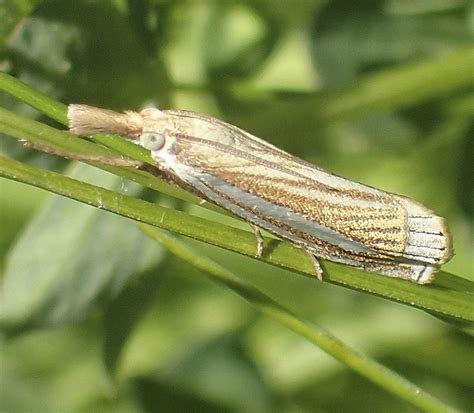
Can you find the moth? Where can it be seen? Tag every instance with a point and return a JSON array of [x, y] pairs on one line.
[[328, 216]]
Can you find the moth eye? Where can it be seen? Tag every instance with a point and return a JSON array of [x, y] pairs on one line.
[[152, 141]]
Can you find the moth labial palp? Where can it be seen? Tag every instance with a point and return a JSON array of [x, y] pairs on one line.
[[328, 216]]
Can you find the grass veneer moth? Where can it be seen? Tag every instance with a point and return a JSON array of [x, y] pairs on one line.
[[327, 216]]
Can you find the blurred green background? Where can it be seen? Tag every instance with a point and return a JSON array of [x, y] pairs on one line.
[[365, 89]]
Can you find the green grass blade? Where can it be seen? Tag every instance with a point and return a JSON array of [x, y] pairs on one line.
[[365, 366], [436, 298]]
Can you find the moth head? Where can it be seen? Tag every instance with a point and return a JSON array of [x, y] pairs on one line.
[[153, 141], [87, 120]]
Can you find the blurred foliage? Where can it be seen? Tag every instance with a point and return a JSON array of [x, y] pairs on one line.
[[142, 331]]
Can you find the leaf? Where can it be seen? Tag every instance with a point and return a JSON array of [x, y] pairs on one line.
[[124, 313], [76, 48], [12, 12], [69, 258], [153, 393], [350, 39], [222, 369]]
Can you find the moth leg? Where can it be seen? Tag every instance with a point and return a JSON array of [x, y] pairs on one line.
[[82, 157], [151, 169], [260, 240], [317, 266]]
